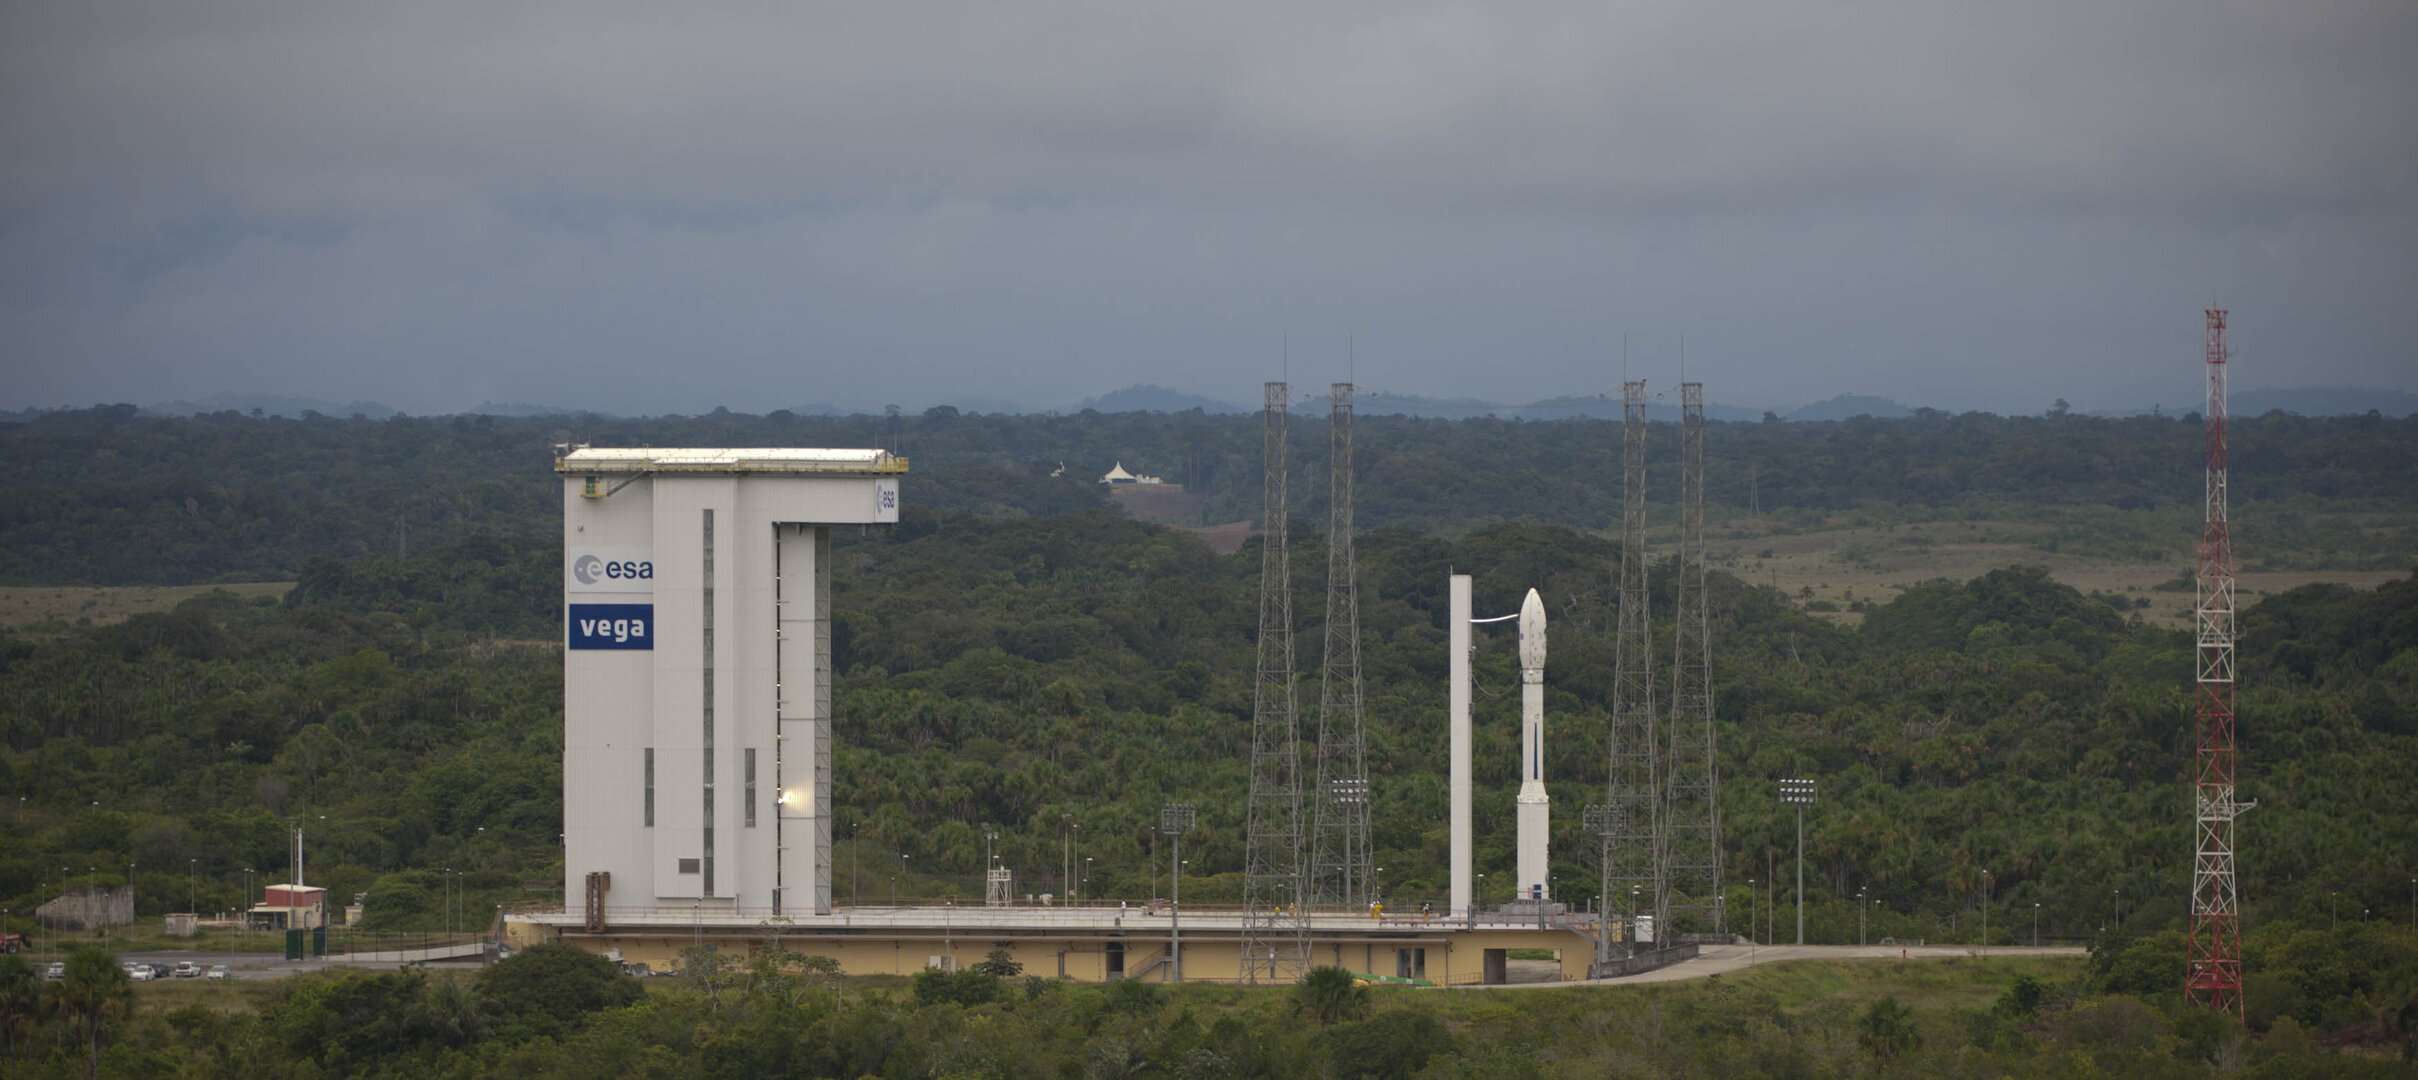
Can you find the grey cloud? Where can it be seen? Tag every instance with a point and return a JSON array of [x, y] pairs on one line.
[[1963, 205]]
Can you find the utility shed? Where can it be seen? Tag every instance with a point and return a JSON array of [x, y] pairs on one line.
[[696, 674]]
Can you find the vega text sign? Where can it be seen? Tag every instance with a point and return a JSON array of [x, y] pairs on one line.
[[612, 626]]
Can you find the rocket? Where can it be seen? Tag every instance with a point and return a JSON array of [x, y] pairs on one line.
[[1534, 806]]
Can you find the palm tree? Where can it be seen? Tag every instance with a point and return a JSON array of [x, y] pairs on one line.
[[1329, 994], [20, 1000], [94, 992], [1887, 1029]]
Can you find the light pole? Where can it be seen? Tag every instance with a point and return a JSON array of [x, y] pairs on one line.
[[1860, 909], [902, 872], [1086, 882], [1985, 913], [192, 891], [2333, 908], [1800, 794], [2035, 924], [856, 832], [1175, 819], [247, 901], [2119, 911]]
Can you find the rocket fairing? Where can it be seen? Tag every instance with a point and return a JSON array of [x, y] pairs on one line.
[[1534, 806]]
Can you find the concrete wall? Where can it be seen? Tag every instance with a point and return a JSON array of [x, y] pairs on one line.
[[1453, 956], [743, 673], [89, 909]]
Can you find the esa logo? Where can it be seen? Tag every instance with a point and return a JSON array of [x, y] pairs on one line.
[[612, 626], [609, 570], [591, 570]]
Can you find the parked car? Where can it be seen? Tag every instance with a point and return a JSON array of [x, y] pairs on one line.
[[217, 971], [55, 971], [140, 973], [187, 969]]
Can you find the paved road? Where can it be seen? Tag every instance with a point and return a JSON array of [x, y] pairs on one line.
[[1723, 959], [250, 965]]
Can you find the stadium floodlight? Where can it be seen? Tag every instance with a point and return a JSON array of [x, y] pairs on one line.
[[1800, 794], [1175, 819]]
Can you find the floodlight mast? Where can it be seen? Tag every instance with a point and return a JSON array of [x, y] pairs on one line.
[[1175, 819], [1800, 794]]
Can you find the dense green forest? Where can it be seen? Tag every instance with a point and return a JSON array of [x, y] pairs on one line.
[[554, 1011], [105, 496], [1016, 654], [1015, 673]]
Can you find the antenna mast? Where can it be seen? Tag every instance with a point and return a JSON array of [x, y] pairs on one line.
[[1341, 858], [2213, 975], [1694, 813], [1633, 842], [1275, 938]]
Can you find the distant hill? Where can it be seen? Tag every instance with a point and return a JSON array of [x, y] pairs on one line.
[[1607, 407], [2315, 401], [518, 408], [1849, 406], [1156, 399], [1412, 405], [2299, 401], [270, 405]]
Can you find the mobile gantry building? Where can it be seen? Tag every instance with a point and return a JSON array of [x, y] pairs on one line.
[[696, 674], [697, 746]]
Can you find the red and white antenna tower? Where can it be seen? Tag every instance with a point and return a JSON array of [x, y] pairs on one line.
[[2213, 975]]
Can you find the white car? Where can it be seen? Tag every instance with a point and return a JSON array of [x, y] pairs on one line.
[[55, 971], [186, 969], [141, 973], [217, 971]]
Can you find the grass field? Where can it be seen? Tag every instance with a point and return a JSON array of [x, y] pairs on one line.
[[35, 607], [1835, 563]]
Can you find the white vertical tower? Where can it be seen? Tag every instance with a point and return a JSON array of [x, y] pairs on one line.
[[697, 673], [1457, 640], [1535, 807]]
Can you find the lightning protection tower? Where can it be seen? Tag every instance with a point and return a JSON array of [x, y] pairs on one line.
[[1341, 861], [1633, 847], [1276, 944], [1692, 822], [2213, 954]]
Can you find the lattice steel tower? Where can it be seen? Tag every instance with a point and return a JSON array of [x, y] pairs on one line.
[[1276, 944], [2213, 954], [1692, 821], [1341, 862], [1633, 844]]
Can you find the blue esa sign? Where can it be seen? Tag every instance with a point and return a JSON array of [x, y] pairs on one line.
[[612, 626]]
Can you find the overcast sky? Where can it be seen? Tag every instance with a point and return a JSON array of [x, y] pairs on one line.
[[666, 207]]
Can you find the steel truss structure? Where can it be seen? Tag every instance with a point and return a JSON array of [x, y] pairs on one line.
[[1276, 943], [2213, 951], [1342, 864], [1692, 811], [1632, 843]]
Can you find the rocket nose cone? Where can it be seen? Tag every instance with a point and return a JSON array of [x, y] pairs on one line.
[[1532, 631]]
